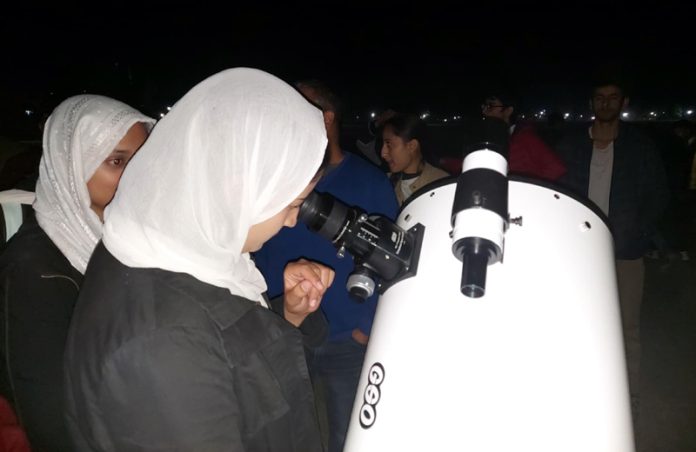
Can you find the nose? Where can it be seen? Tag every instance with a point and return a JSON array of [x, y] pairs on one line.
[[384, 151]]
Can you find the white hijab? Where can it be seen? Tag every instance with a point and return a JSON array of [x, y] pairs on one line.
[[79, 135], [233, 152]]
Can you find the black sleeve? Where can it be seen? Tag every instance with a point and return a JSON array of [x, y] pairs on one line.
[[657, 190], [38, 319], [315, 327], [170, 390]]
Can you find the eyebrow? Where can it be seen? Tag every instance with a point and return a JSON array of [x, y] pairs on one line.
[[118, 152]]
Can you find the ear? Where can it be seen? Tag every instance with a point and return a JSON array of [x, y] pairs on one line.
[[329, 118], [412, 146], [625, 103]]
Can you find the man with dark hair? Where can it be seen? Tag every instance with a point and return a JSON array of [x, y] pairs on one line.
[[619, 169], [322, 97], [336, 364], [529, 155]]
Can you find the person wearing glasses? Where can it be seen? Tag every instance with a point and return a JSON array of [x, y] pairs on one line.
[[529, 155]]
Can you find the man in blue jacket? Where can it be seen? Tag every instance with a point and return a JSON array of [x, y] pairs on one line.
[[337, 363], [619, 169]]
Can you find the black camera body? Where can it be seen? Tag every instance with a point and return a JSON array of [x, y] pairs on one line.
[[383, 252]]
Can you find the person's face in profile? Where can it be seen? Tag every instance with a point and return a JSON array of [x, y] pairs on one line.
[[400, 155], [260, 233], [102, 185], [494, 108], [607, 102]]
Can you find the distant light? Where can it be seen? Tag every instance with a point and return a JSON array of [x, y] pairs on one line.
[[689, 112], [28, 112], [592, 118], [372, 115], [169, 108], [161, 115], [357, 117], [624, 114], [445, 119], [652, 113], [566, 115], [581, 116]]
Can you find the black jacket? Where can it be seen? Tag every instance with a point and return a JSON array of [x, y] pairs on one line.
[[639, 191], [39, 289], [157, 360]]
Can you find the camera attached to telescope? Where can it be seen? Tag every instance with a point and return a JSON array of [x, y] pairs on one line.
[[383, 252]]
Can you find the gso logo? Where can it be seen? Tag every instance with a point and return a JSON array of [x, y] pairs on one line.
[[368, 410]]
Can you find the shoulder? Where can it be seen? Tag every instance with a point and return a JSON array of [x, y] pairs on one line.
[[527, 134], [634, 140], [358, 166], [359, 181], [574, 136], [361, 166], [31, 251], [634, 133], [523, 129], [433, 173]]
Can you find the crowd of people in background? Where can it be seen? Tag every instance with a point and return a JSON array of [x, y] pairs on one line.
[[196, 293]]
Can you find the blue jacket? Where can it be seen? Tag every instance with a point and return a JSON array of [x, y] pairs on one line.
[[356, 183]]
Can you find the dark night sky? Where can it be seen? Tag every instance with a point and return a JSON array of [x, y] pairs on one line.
[[405, 56]]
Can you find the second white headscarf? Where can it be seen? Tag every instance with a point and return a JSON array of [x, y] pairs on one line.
[[79, 135], [233, 152]]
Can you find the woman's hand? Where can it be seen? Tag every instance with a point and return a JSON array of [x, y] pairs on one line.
[[305, 285]]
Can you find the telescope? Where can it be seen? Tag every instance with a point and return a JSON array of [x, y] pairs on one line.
[[498, 325], [383, 252]]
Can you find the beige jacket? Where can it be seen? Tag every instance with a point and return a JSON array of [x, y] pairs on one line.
[[429, 174]]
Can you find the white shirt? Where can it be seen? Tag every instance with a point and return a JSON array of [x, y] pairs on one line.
[[601, 167]]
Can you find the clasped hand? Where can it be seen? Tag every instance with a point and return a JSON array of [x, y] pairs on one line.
[[305, 285]]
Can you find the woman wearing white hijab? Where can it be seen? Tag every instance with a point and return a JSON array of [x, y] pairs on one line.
[[88, 140], [172, 346]]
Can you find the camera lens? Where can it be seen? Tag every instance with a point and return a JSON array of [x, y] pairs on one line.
[[361, 284], [324, 216]]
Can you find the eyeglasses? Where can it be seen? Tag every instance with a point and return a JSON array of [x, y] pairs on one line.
[[487, 107]]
